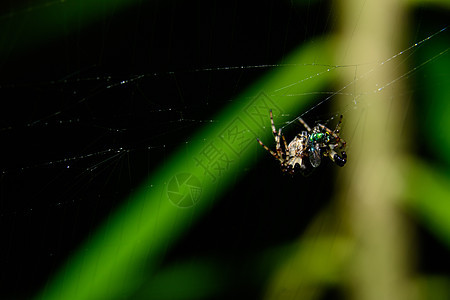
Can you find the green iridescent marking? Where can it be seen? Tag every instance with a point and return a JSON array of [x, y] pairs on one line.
[[315, 137]]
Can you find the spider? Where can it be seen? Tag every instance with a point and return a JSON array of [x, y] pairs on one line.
[[312, 144]]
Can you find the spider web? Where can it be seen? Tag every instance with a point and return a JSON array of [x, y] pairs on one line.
[[84, 120]]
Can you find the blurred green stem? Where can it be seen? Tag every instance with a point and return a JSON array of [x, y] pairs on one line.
[[371, 32]]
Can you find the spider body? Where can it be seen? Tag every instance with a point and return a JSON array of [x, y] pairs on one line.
[[305, 151]]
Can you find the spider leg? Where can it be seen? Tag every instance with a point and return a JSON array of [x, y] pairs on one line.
[[278, 146], [274, 130], [334, 134], [279, 154], [336, 130], [304, 124], [285, 144], [338, 126], [340, 143], [270, 151], [343, 143], [277, 137], [328, 130]]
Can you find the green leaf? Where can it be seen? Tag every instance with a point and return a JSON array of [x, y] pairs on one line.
[[427, 194]]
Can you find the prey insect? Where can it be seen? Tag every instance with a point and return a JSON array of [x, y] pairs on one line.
[[306, 150]]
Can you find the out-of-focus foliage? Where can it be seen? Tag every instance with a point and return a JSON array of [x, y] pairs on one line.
[[442, 3], [428, 190], [186, 280], [434, 121], [428, 194]]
